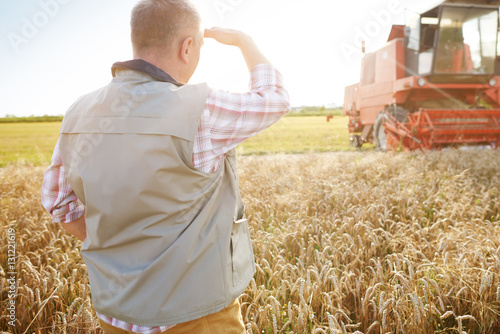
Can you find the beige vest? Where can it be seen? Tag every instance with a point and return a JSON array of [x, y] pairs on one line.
[[165, 243]]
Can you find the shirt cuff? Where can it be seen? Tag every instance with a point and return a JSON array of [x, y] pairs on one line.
[[68, 213]]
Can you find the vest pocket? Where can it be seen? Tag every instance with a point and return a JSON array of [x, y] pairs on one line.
[[241, 251]]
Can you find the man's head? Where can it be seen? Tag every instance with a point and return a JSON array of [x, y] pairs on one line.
[[168, 34]]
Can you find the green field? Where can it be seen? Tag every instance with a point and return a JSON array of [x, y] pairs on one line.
[[27, 142], [33, 142]]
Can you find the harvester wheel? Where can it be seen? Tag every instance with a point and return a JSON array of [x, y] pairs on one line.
[[355, 141], [379, 133], [398, 112]]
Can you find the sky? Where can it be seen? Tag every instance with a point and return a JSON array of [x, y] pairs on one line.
[[54, 51]]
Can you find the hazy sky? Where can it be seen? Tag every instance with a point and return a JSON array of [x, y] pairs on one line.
[[53, 51]]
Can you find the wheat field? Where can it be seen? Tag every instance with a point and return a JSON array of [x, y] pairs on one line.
[[344, 243]]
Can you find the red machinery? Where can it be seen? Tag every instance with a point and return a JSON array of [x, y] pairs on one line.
[[435, 83]]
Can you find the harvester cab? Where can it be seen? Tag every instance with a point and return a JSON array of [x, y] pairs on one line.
[[434, 84]]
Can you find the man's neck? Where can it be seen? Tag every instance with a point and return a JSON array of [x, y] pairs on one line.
[[142, 66], [164, 64]]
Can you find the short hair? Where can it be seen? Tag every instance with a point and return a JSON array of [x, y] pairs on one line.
[[157, 24]]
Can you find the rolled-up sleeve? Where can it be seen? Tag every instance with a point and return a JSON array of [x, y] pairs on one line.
[[229, 119], [58, 198]]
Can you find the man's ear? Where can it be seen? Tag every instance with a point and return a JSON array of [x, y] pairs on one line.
[[186, 49]]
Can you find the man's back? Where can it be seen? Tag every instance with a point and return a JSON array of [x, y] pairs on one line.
[[154, 220]]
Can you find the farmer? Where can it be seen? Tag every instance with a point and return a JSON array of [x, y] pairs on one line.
[[144, 173]]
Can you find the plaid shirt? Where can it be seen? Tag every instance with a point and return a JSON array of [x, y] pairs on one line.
[[227, 120]]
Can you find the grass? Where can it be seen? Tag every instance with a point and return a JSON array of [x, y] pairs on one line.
[[27, 142], [34, 142], [300, 135], [316, 111], [30, 119]]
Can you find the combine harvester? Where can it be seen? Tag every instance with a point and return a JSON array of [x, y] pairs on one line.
[[434, 84]]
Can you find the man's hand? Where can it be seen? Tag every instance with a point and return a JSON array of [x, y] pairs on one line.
[[78, 228], [241, 40], [226, 36]]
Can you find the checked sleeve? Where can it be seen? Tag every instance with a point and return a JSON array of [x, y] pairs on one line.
[[228, 119], [58, 198]]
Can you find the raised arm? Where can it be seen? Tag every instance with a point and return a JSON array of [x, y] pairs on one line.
[[230, 118]]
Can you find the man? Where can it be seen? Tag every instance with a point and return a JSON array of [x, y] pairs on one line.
[[144, 173]]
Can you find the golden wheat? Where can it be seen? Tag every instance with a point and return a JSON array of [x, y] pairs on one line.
[[344, 243]]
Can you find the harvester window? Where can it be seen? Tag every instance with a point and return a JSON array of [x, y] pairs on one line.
[[428, 36], [467, 41], [430, 27]]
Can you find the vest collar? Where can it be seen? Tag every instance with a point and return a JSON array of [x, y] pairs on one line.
[[142, 66]]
